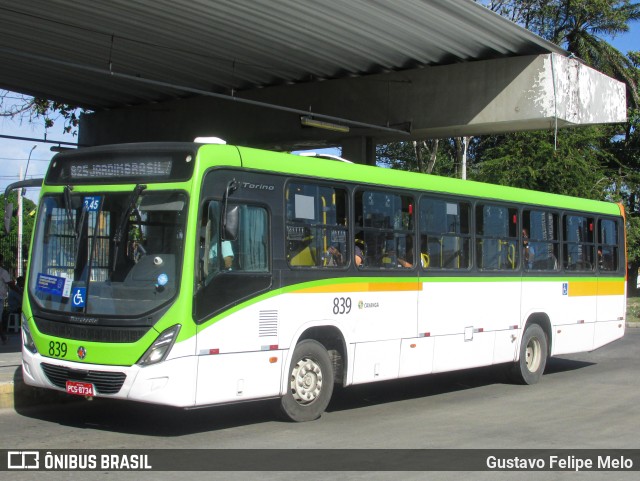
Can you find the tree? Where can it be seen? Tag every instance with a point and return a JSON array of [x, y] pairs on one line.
[[24, 107], [9, 242], [431, 156], [573, 164]]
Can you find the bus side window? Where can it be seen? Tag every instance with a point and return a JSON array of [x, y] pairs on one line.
[[497, 237], [607, 245], [445, 234], [316, 230], [578, 243], [225, 264], [540, 240], [247, 253], [385, 227]]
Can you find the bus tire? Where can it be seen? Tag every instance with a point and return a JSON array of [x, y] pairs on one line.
[[310, 383], [533, 356]]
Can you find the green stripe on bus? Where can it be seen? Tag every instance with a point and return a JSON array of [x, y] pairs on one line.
[[363, 174]]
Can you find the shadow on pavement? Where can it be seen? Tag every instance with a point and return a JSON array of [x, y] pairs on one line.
[[151, 420]]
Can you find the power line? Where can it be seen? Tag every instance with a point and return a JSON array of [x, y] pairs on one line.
[[19, 158]]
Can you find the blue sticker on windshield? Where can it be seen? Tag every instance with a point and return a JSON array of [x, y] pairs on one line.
[[50, 284], [163, 279], [92, 203], [78, 296]]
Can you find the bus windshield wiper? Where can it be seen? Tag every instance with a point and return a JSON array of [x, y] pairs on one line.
[[78, 233], [68, 208], [122, 222], [77, 228]]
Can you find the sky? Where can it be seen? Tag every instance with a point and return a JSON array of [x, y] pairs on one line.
[[14, 154]]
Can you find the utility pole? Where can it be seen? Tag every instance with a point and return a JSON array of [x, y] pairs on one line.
[[19, 270], [19, 266], [464, 159]]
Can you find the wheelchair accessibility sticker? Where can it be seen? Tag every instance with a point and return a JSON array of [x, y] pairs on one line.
[[78, 296]]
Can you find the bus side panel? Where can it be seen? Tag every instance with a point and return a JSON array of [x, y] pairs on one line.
[[372, 315], [376, 361], [238, 356], [574, 329], [380, 320], [506, 345], [235, 377], [543, 297], [469, 330], [377, 315], [607, 331], [416, 356], [612, 306], [463, 351], [570, 338]]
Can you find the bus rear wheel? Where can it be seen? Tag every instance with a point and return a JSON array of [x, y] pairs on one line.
[[310, 382], [533, 356]]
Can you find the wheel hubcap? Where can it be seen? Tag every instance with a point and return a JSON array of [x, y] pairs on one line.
[[306, 381], [533, 355]]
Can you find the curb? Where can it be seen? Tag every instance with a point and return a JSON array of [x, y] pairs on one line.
[[6, 395], [17, 395]]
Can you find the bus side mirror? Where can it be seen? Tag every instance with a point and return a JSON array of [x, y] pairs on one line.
[[230, 215], [230, 222]]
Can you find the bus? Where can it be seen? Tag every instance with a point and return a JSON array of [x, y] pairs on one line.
[[192, 275]]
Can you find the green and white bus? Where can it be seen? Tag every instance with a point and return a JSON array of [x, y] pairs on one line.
[[190, 275]]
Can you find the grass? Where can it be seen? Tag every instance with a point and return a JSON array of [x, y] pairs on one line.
[[633, 309]]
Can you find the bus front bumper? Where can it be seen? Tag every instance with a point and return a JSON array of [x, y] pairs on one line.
[[171, 382]]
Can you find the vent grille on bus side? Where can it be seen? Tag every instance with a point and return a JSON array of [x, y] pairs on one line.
[[90, 333], [105, 382], [268, 326]]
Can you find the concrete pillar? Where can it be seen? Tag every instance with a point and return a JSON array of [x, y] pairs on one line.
[[361, 150]]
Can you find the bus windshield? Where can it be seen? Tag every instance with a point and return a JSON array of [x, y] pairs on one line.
[[110, 254]]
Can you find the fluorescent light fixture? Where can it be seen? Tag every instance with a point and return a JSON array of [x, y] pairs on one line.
[[209, 140], [320, 124]]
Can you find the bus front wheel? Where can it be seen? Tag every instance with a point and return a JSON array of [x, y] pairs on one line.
[[310, 383], [533, 356]]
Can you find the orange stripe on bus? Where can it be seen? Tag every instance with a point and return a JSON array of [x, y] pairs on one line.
[[595, 288], [611, 288]]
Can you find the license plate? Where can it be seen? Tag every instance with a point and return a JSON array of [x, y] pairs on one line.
[[80, 388]]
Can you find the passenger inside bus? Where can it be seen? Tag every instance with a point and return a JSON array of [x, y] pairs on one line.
[[337, 258], [406, 260], [359, 252], [529, 252], [209, 241]]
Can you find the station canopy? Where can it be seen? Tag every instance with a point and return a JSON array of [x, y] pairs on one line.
[[95, 54]]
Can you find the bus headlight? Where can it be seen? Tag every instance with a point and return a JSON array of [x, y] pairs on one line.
[[27, 340], [161, 347]]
